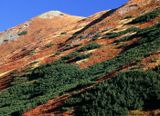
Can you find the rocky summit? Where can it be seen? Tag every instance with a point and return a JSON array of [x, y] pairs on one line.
[[107, 64]]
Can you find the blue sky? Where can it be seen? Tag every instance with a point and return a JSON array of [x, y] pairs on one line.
[[14, 12]]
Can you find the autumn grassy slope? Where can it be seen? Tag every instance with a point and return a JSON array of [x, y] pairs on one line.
[[129, 88]]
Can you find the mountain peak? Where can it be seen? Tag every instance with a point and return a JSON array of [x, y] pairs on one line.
[[53, 63], [51, 14]]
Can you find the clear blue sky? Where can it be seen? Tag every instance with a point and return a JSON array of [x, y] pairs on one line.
[[14, 12]]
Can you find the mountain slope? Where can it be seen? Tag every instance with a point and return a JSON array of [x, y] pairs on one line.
[[107, 63]]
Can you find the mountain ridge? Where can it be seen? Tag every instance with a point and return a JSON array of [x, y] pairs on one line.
[[57, 64]]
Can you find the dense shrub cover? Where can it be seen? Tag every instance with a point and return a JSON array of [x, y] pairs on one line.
[[69, 56], [150, 42], [22, 33], [79, 57], [127, 91], [44, 83], [89, 47], [96, 36], [48, 45], [146, 17], [150, 31], [50, 80], [125, 38], [75, 56], [157, 69], [128, 17], [113, 35]]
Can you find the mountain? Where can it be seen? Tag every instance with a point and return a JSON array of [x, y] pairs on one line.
[[104, 64]]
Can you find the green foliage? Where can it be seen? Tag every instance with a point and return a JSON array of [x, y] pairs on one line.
[[128, 17], [48, 45], [125, 38], [149, 43], [157, 69], [34, 62], [44, 83], [82, 37], [106, 29], [126, 91], [150, 31], [22, 33], [146, 17], [32, 52], [57, 53], [18, 80], [130, 37], [89, 47], [75, 56], [70, 46], [113, 35], [50, 80], [69, 56], [95, 37], [80, 57], [83, 56], [64, 33]]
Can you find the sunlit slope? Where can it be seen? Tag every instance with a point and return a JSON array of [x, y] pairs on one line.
[[106, 64]]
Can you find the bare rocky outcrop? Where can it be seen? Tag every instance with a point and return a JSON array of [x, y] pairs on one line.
[[137, 4], [54, 34], [51, 14], [8, 36], [13, 33]]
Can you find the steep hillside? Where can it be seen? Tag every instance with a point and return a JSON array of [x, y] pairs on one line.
[[105, 64]]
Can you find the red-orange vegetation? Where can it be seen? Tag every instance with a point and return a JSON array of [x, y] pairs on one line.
[[100, 55], [151, 61]]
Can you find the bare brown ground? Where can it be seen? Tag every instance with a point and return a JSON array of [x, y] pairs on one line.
[[100, 55], [5, 81], [151, 61], [144, 113], [14, 55]]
